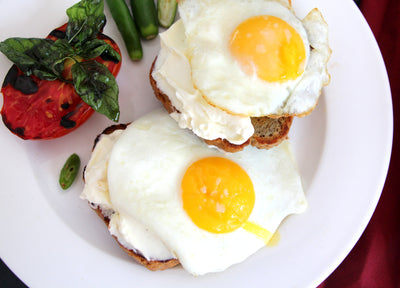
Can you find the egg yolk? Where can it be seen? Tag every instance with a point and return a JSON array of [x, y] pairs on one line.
[[217, 194], [268, 47]]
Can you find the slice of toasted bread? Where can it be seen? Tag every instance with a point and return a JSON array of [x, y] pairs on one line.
[[152, 265], [268, 132]]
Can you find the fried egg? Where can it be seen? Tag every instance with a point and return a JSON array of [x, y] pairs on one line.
[[209, 209], [244, 58], [249, 56]]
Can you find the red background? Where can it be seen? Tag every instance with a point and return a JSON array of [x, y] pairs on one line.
[[375, 259]]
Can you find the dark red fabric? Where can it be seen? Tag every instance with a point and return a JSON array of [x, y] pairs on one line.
[[375, 259]]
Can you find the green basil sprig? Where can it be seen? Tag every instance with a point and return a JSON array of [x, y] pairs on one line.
[[45, 58], [86, 20], [96, 85]]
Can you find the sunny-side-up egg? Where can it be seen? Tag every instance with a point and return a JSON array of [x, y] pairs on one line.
[[172, 196], [225, 61]]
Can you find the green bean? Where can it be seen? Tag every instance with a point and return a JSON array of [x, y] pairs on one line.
[[69, 171], [126, 26], [145, 15], [166, 11]]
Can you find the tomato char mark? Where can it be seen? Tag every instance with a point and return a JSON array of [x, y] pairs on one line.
[[20, 82], [11, 76], [20, 131], [106, 56], [66, 122], [58, 34], [26, 85], [65, 105]]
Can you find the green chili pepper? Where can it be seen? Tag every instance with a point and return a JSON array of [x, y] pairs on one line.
[[126, 26], [166, 11], [69, 171], [145, 15]]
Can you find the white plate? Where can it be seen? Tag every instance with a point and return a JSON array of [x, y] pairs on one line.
[[50, 238]]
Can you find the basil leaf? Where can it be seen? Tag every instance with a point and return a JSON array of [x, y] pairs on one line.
[[24, 53], [15, 48], [86, 20], [94, 48], [35, 56], [96, 85]]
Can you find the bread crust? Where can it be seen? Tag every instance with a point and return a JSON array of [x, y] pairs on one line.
[[268, 131], [152, 265]]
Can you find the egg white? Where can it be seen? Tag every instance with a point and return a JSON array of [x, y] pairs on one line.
[[145, 169]]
